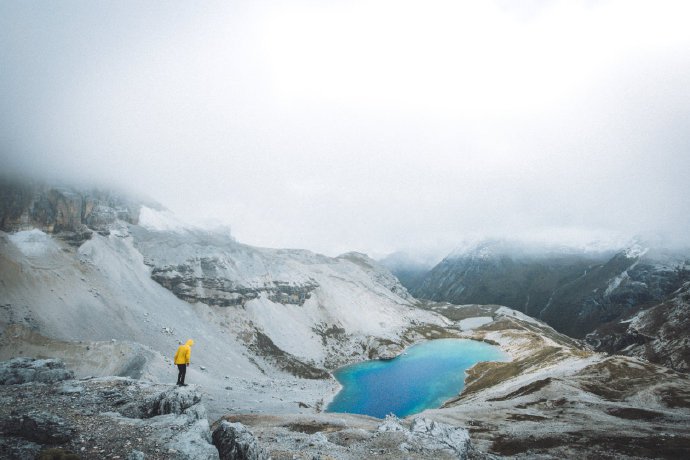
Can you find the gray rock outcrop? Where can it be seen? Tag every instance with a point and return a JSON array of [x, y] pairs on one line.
[[173, 401], [426, 435], [235, 442], [25, 370], [208, 280], [109, 417]]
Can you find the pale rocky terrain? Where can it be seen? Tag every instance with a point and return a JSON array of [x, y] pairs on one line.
[[101, 302], [271, 325], [557, 399], [44, 407]]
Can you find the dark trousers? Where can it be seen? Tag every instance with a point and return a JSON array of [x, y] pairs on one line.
[[182, 368]]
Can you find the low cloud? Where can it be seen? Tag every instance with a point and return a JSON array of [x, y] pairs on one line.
[[371, 126]]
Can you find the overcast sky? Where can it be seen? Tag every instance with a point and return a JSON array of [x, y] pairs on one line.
[[361, 125]]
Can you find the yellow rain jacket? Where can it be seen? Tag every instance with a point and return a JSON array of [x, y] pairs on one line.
[[184, 353]]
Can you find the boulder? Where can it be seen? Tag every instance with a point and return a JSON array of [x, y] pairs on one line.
[[235, 442], [174, 401], [441, 436], [194, 443]]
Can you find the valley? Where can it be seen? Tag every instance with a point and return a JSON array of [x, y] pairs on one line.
[[602, 294], [113, 297]]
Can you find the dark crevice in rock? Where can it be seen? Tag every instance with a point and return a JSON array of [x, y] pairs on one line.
[[235, 442]]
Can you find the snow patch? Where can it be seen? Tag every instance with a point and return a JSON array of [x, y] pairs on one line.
[[613, 285], [161, 221], [473, 323], [635, 251], [505, 311], [33, 243]]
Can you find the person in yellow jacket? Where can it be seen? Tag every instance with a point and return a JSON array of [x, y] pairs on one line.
[[183, 358]]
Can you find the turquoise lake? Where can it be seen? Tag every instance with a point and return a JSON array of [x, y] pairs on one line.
[[423, 377]]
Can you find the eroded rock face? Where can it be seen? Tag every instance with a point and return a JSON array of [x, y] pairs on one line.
[[660, 334], [69, 213], [205, 280], [235, 442], [101, 418]]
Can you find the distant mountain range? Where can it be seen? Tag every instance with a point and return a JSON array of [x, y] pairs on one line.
[[576, 291]]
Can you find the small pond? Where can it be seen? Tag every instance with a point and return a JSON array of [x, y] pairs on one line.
[[423, 377]]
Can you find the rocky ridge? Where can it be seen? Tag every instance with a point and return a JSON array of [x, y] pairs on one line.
[[660, 333], [95, 418], [573, 291], [558, 399], [257, 286]]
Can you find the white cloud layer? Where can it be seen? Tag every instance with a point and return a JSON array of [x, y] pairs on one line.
[[361, 125]]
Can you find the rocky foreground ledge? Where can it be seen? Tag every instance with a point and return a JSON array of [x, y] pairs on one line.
[[45, 413], [42, 407]]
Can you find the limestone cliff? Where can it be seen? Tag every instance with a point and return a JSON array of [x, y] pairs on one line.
[[65, 211]]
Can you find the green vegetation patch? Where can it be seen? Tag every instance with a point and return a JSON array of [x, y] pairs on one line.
[[524, 390], [615, 379], [525, 418], [594, 444], [505, 445], [487, 374], [313, 427], [460, 312]]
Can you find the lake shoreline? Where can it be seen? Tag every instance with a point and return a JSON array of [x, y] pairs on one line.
[[423, 376]]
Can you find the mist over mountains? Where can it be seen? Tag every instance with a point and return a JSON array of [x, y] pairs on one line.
[[110, 285], [300, 186], [495, 119], [590, 291]]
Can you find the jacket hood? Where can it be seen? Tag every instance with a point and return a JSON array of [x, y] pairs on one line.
[[190, 342]]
